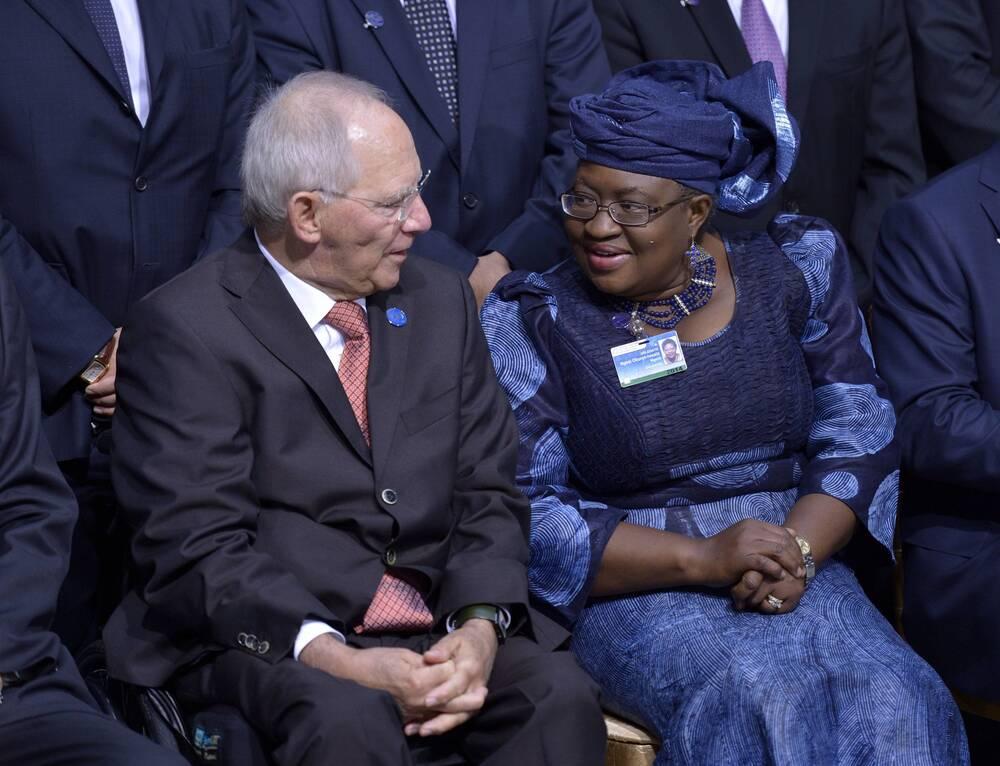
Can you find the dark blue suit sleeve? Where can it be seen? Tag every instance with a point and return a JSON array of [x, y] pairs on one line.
[[575, 63], [64, 328], [224, 223], [925, 342], [957, 90], [37, 509]]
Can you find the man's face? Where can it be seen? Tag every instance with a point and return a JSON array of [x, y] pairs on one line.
[[362, 243]]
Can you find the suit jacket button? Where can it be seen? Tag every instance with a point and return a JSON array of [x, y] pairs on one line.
[[390, 556], [470, 200], [264, 647], [141, 184], [241, 639], [389, 496], [126, 107]]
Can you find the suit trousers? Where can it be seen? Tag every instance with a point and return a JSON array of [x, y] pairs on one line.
[[541, 709], [94, 585], [52, 721]]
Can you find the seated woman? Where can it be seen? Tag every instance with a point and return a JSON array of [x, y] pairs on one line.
[[686, 514]]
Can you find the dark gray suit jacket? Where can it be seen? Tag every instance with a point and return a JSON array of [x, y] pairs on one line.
[[255, 500]]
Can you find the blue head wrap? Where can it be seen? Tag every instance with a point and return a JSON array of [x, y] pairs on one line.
[[685, 121]]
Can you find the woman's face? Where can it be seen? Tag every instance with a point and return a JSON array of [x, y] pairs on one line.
[[633, 262]]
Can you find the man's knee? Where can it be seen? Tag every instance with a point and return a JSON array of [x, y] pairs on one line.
[[567, 690], [333, 716]]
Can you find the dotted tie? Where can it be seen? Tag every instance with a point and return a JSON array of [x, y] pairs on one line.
[[762, 41], [103, 16], [432, 26], [397, 605]]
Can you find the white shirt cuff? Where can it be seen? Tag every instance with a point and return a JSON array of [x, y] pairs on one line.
[[311, 630]]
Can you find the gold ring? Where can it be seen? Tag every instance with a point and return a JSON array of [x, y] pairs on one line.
[[774, 602]]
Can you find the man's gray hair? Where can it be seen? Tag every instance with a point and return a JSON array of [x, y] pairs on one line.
[[298, 141]]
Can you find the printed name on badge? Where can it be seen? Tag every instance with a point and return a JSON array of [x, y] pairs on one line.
[[648, 359]]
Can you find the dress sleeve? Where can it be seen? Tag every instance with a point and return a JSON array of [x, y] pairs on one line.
[[852, 452], [568, 532]]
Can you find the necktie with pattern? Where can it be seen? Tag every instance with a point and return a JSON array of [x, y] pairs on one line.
[[397, 605], [762, 41], [432, 27], [103, 16]]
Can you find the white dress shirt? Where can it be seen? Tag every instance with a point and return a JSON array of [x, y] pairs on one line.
[[314, 305], [134, 46], [777, 10], [451, 15]]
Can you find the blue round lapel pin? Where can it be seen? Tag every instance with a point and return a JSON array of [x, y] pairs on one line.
[[373, 20], [396, 317]]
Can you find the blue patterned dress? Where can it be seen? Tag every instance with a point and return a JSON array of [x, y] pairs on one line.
[[782, 402]]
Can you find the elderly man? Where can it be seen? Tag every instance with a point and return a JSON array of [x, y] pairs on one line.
[[318, 464]]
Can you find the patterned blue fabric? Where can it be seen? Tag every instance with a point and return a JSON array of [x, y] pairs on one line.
[[765, 413], [684, 120]]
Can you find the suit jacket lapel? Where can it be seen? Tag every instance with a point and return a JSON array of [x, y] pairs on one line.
[[989, 177], [400, 46], [722, 34], [805, 19], [268, 312], [71, 21], [386, 371], [155, 17], [475, 26]]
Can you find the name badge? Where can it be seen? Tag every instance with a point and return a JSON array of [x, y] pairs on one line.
[[648, 359]]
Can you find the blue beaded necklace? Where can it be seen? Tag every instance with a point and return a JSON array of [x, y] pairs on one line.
[[667, 313]]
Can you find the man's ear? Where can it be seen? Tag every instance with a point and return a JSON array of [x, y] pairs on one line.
[[303, 216]]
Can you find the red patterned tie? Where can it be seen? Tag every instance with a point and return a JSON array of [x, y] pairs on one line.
[[397, 605]]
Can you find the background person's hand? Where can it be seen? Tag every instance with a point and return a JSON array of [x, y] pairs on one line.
[[489, 270], [101, 393], [472, 649], [750, 545]]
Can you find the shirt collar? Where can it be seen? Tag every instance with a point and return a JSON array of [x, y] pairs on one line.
[[312, 302]]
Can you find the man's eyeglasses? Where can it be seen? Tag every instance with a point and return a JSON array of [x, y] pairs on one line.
[[584, 207], [397, 210]]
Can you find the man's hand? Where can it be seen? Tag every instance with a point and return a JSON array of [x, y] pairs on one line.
[[471, 650], [101, 393], [403, 674], [489, 270]]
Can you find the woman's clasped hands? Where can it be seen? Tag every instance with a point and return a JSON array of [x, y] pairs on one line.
[[761, 563]]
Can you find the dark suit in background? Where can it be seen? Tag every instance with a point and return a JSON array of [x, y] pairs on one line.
[[497, 175], [110, 209], [937, 334], [850, 87], [50, 718], [956, 63]]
